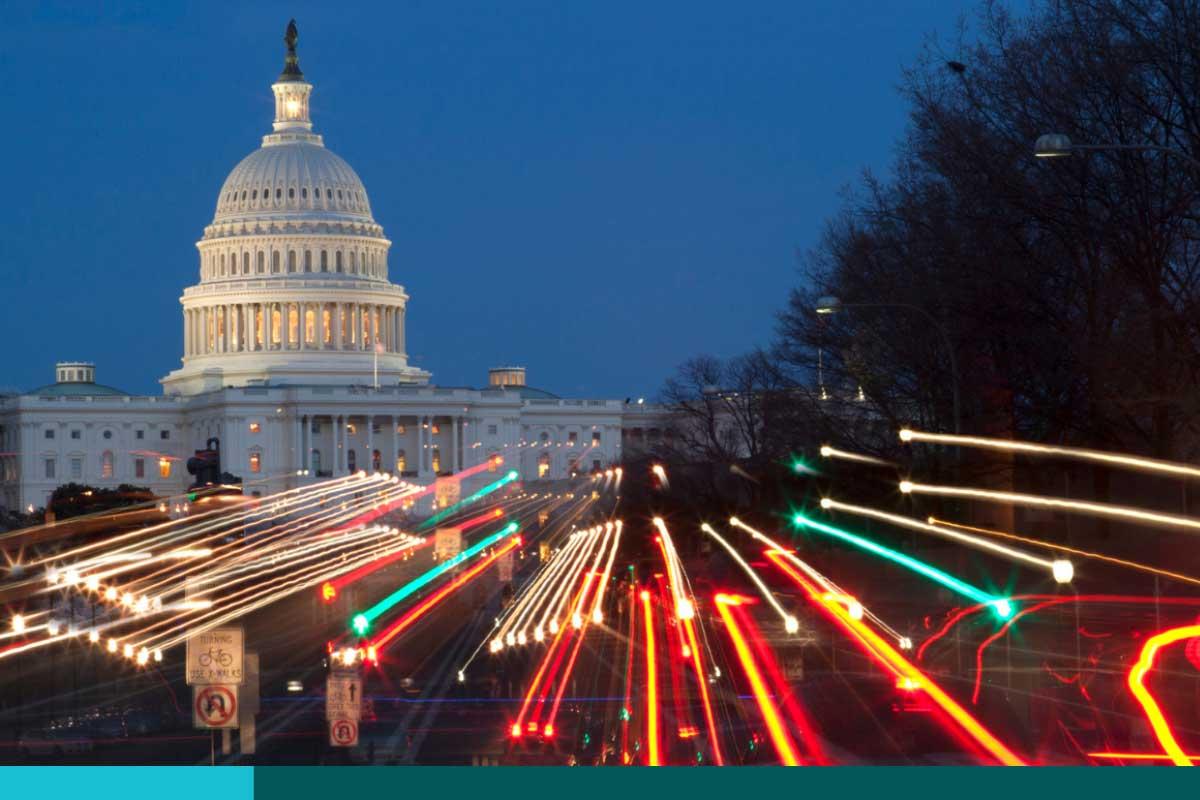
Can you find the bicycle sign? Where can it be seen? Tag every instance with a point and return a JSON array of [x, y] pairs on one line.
[[215, 656]]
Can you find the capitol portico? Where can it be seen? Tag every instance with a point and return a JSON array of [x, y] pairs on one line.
[[294, 357]]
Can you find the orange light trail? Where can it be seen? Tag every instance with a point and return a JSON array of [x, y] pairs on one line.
[[629, 656], [1154, 714], [892, 658], [419, 610], [653, 758], [517, 728], [713, 738], [779, 734], [1137, 756], [1074, 551]]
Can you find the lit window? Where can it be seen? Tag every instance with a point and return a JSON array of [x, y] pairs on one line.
[[437, 460], [49, 467], [543, 464], [401, 462], [49, 433], [493, 462], [255, 427], [164, 468], [139, 468], [436, 430], [571, 439], [255, 462], [400, 429], [310, 326], [351, 429], [106, 464], [595, 438]]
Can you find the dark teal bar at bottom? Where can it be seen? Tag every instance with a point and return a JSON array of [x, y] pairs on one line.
[[733, 783]]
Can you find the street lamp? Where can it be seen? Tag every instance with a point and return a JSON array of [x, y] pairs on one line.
[[832, 305], [1059, 145]]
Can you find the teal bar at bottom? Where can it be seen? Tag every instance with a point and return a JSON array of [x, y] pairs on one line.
[[127, 783]]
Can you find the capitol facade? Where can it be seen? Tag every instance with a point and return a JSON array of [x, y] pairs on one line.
[[294, 359]]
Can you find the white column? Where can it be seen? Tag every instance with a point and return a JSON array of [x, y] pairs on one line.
[[454, 466], [371, 443], [336, 466], [395, 447], [297, 456], [420, 445], [400, 330], [337, 326]]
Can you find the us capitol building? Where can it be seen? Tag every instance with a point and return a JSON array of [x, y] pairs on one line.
[[294, 358]]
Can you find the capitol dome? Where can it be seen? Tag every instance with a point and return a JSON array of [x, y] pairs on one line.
[[294, 286], [289, 178]]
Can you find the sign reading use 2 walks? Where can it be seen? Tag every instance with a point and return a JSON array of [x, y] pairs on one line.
[[216, 657]]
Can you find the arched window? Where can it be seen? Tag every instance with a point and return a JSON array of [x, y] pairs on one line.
[[291, 260], [376, 460], [255, 461], [543, 464], [246, 263], [329, 194], [222, 263], [337, 259], [260, 262], [303, 192], [315, 459], [106, 464], [351, 460], [353, 264], [279, 194], [243, 195], [308, 260], [291, 193], [324, 261], [274, 261], [254, 194], [293, 326], [339, 194], [401, 461], [310, 326]]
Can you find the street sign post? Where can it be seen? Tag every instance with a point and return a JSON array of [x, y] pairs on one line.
[[216, 657], [343, 696], [215, 706], [447, 543], [343, 733], [505, 567]]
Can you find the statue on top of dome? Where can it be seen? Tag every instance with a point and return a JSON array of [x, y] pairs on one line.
[[291, 62]]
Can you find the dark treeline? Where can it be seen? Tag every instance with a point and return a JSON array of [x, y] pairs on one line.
[[1066, 290]]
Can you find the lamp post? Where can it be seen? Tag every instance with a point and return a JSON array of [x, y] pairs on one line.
[[1059, 145], [831, 305]]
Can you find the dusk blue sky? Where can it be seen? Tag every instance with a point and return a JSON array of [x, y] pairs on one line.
[[596, 191]]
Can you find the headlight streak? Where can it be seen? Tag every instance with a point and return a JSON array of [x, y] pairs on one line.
[[1001, 606], [827, 585], [780, 738], [653, 744], [832, 452], [1032, 448], [895, 662], [791, 624], [531, 599], [371, 614], [415, 613], [1175, 576], [1137, 675], [1058, 569], [1039, 501], [558, 601]]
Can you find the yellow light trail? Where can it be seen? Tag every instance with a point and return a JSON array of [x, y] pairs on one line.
[[828, 451], [1039, 501], [1032, 448], [1177, 576]]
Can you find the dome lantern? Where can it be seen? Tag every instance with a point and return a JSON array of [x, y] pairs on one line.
[[291, 90]]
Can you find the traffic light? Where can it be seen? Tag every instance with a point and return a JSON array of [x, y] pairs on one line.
[[206, 464]]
